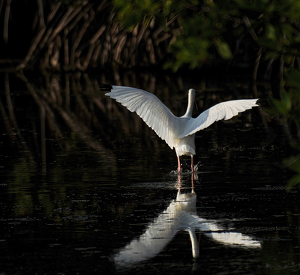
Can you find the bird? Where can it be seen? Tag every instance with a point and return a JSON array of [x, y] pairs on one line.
[[180, 215], [177, 132]]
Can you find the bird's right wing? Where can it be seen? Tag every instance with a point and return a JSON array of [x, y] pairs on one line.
[[224, 110], [154, 113]]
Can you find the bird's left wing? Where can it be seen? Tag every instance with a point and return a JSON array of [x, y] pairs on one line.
[[224, 110], [154, 113]]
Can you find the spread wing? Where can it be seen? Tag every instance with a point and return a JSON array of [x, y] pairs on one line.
[[154, 113], [224, 110]]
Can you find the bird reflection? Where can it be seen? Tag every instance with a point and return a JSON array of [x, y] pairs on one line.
[[180, 215]]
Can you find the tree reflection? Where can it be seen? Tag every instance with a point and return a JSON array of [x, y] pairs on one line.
[[63, 115], [69, 158], [58, 107]]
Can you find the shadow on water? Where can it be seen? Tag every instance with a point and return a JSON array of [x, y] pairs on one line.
[[85, 184]]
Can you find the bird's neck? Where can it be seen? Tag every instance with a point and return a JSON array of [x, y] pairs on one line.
[[189, 110], [195, 246]]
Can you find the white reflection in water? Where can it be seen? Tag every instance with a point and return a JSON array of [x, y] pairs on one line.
[[180, 215]]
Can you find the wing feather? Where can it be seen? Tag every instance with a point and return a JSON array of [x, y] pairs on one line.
[[154, 113], [224, 110]]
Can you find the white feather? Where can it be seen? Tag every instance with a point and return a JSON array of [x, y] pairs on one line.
[[178, 132], [154, 113], [224, 110]]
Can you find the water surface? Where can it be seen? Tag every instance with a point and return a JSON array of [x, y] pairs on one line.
[[87, 188]]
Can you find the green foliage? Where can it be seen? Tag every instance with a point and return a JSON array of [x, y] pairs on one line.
[[289, 106], [292, 77], [223, 49], [294, 164], [281, 106], [206, 28], [133, 12], [210, 26], [295, 180]]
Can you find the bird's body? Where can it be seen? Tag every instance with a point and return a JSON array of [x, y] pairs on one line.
[[177, 132]]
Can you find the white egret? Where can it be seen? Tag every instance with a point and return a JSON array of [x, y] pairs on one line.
[[177, 132]]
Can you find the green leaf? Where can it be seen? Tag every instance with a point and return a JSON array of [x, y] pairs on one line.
[[270, 32], [271, 55], [293, 77], [293, 163], [288, 31], [269, 44], [292, 182], [286, 100], [281, 107], [223, 49]]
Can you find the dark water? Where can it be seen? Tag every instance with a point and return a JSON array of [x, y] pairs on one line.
[[87, 188]]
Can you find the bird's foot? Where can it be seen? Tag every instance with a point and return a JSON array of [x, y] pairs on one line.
[[195, 167], [176, 172]]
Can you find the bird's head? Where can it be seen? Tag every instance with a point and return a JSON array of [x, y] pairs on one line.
[[192, 92], [192, 96]]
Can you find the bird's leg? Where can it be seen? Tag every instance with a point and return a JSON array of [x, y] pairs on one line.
[[192, 163], [179, 182], [192, 180], [179, 166]]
